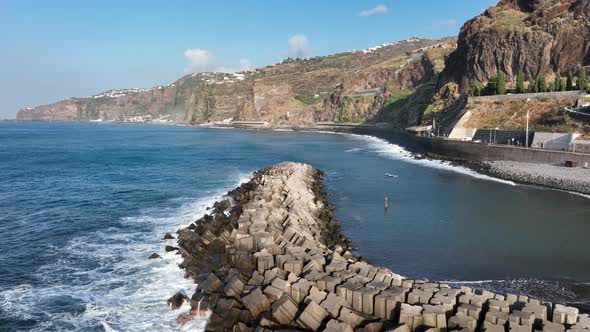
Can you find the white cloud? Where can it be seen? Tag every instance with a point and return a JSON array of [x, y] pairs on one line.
[[298, 46], [245, 64], [379, 9], [450, 21], [199, 60]]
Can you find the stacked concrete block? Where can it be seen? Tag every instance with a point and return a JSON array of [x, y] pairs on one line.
[[277, 269], [461, 321], [435, 316], [565, 315], [411, 316], [312, 316]]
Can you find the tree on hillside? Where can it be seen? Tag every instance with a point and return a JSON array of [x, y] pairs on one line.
[[520, 82], [569, 84], [542, 84], [501, 83], [474, 90], [557, 83], [492, 86], [582, 82]]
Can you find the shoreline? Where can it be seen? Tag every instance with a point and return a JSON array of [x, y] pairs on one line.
[[544, 175], [270, 256]]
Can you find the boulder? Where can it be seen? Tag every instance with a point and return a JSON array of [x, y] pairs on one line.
[[168, 236], [176, 301], [154, 256]]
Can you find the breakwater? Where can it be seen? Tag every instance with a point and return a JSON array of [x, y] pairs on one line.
[[270, 257]]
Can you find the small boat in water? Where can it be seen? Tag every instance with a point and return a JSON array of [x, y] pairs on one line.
[[389, 175]]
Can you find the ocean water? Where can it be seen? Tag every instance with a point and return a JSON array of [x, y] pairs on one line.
[[82, 206]]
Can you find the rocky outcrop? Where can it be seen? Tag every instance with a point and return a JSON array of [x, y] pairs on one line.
[[536, 36], [270, 257]]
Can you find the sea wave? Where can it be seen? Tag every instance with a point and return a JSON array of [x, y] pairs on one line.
[[397, 152], [112, 285]]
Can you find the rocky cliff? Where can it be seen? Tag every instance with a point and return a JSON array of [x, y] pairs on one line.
[[536, 36], [296, 91]]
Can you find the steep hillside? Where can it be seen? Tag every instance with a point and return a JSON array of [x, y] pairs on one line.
[[347, 87], [536, 36]]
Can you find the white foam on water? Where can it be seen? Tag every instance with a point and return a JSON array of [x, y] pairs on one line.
[[122, 290], [396, 152], [283, 130]]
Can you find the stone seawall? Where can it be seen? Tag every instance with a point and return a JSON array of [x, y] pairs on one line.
[[271, 257]]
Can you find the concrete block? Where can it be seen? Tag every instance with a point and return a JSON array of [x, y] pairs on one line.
[[514, 327], [553, 327], [211, 284], [411, 316], [300, 290], [522, 318], [352, 317], [256, 302], [489, 327], [335, 325], [460, 321], [418, 296], [333, 303], [494, 316], [470, 310], [565, 315], [284, 310], [539, 310], [499, 305], [328, 283], [312, 316], [434, 316], [293, 266], [317, 295], [234, 287]]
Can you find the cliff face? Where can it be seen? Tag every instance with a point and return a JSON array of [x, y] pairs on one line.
[[293, 92], [536, 36]]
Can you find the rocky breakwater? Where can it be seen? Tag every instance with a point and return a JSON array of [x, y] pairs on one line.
[[270, 257]]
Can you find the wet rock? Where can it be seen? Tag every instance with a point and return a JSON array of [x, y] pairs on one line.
[[176, 301], [170, 248], [154, 256], [168, 236]]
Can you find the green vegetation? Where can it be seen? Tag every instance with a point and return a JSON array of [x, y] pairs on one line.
[[569, 84], [558, 84], [309, 100], [501, 83], [520, 88], [505, 19], [582, 82], [474, 90]]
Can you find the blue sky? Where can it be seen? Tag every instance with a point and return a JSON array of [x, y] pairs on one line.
[[53, 50]]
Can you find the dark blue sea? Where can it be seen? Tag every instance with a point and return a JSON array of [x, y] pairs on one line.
[[82, 206]]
